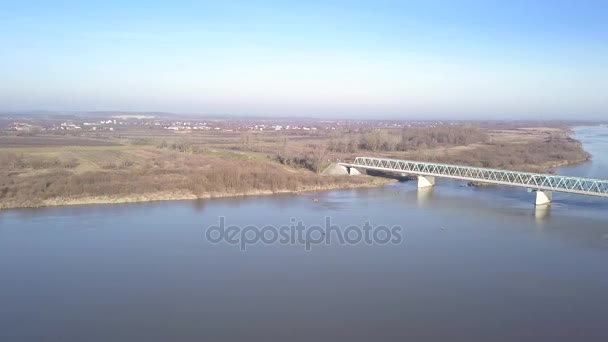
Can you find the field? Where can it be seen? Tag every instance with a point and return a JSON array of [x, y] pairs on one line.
[[112, 174], [143, 164]]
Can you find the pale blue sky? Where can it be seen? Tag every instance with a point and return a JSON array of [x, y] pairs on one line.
[[406, 59]]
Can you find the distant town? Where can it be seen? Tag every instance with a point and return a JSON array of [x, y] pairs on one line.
[[117, 122]]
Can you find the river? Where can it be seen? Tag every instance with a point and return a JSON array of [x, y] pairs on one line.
[[473, 264]]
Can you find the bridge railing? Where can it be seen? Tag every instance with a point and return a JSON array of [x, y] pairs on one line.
[[587, 186]]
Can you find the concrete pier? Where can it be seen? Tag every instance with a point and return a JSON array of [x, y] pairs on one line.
[[543, 197], [425, 181]]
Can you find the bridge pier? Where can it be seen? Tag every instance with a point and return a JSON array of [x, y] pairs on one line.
[[543, 197], [425, 181]]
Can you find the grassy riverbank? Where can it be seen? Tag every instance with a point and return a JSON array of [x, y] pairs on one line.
[[34, 177], [186, 195]]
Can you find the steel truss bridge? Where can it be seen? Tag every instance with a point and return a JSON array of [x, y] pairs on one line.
[[426, 172]]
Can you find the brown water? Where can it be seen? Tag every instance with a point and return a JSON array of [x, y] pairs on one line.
[[474, 264]]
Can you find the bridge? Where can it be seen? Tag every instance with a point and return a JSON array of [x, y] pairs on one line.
[[543, 184]]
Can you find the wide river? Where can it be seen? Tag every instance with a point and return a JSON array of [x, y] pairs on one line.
[[473, 264]]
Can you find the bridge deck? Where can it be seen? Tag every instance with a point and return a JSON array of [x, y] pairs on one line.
[[536, 181]]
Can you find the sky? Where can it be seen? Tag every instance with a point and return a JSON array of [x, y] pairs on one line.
[[360, 59]]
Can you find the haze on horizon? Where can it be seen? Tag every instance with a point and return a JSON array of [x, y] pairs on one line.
[[401, 59]]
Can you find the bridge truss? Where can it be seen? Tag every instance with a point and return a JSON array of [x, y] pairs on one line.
[[534, 181]]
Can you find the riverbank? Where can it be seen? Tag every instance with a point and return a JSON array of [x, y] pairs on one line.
[[180, 196], [76, 175], [149, 174]]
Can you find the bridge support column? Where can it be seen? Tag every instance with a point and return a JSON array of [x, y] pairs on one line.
[[543, 197], [425, 181]]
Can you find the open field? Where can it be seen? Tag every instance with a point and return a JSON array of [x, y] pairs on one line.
[[113, 174], [144, 164]]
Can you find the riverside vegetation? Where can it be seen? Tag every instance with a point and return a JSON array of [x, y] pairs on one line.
[[143, 166]]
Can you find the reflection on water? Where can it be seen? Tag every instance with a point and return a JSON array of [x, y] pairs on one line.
[[475, 264], [425, 196], [541, 213], [199, 204]]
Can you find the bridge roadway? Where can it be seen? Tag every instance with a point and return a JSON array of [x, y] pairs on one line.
[[543, 184]]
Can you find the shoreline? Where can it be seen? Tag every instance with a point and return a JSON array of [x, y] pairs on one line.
[[185, 196]]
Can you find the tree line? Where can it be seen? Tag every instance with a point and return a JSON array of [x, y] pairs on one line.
[[407, 139]]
